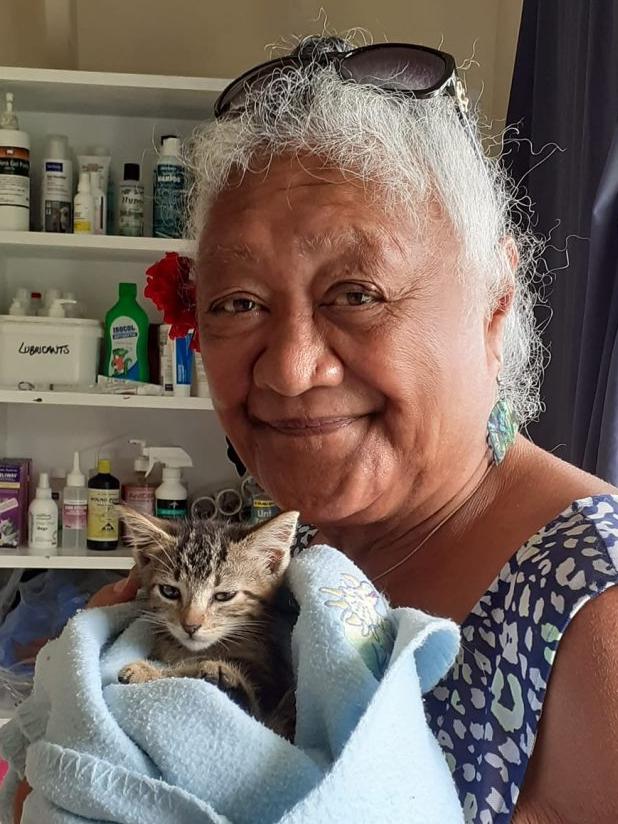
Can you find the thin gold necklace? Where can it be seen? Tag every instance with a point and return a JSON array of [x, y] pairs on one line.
[[435, 529]]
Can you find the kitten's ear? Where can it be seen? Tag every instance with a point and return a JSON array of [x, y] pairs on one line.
[[149, 536], [274, 540]]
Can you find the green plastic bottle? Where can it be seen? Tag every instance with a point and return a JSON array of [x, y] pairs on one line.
[[126, 337]]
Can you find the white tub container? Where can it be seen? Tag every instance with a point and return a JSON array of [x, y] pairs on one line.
[[48, 350]]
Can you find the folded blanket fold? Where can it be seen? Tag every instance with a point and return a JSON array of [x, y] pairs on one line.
[[179, 751]]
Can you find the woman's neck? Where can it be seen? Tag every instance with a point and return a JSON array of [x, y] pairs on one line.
[[408, 533]]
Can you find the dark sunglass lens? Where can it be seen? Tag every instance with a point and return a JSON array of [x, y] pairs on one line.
[[402, 68]]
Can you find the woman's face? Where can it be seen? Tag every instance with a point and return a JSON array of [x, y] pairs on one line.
[[344, 359]]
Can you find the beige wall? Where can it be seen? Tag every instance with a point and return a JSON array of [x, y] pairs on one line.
[[220, 39]]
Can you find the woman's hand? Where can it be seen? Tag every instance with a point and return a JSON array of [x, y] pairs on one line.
[[118, 593]]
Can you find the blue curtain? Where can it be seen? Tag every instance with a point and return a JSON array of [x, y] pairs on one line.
[[565, 94]]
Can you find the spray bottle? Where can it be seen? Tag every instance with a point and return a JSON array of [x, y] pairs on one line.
[[138, 492], [171, 495]]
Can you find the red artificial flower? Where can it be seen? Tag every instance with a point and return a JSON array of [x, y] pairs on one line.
[[172, 290]]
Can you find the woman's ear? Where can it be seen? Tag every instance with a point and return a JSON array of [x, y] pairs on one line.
[[499, 312], [149, 536]]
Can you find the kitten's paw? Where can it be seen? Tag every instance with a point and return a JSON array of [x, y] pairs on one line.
[[221, 674], [232, 681], [139, 672]]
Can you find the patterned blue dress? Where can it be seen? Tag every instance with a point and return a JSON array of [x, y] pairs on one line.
[[485, 712]]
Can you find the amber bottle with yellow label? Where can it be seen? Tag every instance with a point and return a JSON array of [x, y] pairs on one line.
[[103, 500]]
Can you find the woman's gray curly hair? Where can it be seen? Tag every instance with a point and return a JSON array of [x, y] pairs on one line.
[[407, 151]]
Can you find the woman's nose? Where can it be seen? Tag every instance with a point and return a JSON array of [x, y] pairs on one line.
[[296, 358]]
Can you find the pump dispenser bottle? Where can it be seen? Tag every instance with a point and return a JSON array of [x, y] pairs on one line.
[[139, 492]]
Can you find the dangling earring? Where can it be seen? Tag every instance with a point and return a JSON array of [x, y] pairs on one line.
[[501, 429]]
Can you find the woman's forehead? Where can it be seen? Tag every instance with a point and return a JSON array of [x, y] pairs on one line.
[[311, 210]]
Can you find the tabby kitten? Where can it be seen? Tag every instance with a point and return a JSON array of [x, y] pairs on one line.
[[211, 594]]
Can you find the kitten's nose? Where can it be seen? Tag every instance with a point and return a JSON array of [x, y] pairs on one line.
[[191, 629]]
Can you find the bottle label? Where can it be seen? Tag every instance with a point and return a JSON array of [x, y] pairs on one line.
[[82, 219], [131, 211], [43, 530], [57, 195], [123, 363], [263, 509], [169, 200], [140, 498], [171, 509], [102, 514], [14, 177], [75, 515]]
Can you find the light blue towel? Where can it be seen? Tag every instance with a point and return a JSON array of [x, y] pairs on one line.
[[179, 751]]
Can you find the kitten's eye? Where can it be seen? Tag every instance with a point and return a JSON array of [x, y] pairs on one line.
[[172, 593], [224, 596]]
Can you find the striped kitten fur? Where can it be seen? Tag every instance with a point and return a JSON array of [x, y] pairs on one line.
[[212, 592]]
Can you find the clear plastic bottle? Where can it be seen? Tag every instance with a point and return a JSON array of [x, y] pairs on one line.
[[75, 508]]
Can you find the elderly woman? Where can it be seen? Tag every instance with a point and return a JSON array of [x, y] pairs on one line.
[[367, 329]]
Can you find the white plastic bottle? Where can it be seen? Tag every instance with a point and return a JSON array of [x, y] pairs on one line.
[[170, 186], [131, 203], [100, 204], [14, 171], [75, 508], [83, 207], [57, 185], [171, 496], [43, 517], [17, 308]]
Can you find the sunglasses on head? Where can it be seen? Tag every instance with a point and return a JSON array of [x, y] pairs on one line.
[[417, 71]]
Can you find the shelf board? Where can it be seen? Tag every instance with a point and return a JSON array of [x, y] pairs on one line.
[[83, 247], [25, 558], [126, 95], [15, 396]]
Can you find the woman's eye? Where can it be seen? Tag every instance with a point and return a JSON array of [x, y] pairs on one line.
[[235, 306], [224, 596], [169, 592], [355, 297]]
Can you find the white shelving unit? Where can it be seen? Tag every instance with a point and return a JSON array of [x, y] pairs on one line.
[[74, 399], [90, 247], [25, 558], [128, 114]]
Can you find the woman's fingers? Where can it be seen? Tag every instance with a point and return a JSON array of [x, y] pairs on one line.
[[23, 790], [118, 593]]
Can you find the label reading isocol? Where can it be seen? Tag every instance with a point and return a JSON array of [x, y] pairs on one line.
[[171, 509], [123, 359], [102, 514]]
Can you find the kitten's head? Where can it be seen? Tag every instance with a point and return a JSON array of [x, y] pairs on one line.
[[207, 582]]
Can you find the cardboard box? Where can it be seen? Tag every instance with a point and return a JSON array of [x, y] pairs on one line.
[[14, 499]]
